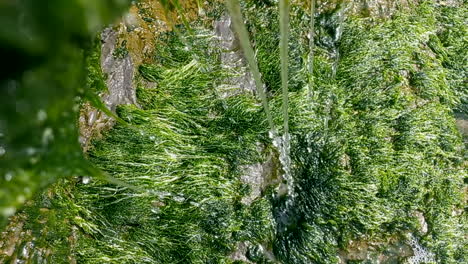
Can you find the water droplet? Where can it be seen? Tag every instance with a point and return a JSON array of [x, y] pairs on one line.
[[152, 137], [47, 136], [86, 180], [30, 151], [2, 151], [179, 199], [195, 204], [41, 115], [163, 195], [272, 134], [8, 176]]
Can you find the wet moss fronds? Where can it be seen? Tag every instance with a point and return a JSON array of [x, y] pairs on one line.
[[379, 144], [183, 149], [450, 47], [95, 77], [264, 29], [376, 157]]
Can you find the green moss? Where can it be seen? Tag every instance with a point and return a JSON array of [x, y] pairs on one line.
[[121, 51], [41, 89], [183, 149], [377, 144], [450, 46], [264, 29], [95, 77]]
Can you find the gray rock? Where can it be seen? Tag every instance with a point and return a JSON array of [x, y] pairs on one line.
[[259, 176], [119, 71], [232, 57], [240, 253], [422, 221]]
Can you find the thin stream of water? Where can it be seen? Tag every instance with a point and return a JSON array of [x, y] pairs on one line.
[[311, 51], [233, 7], [285, 146], [281, 143], [337, 36]]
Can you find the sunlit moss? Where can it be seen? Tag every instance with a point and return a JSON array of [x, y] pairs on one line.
[[377, 144]]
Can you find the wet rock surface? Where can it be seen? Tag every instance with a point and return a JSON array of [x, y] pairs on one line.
[[119, 70], [386, 252], [240, 253], [259, 176], [462, 124], [17, 244], [117, 66], [232, 57]]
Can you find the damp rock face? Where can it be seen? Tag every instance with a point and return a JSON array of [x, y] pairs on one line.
[[462, 125], [378, 8], [118, 68], [240, 253], [117, 64], [232, 57], [259, 176], [195, 149]]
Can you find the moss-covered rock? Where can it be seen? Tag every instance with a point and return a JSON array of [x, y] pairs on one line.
[[377, 161]]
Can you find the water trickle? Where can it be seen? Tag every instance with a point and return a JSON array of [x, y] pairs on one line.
[[162, 195], [331, 30], [284, 55], [179, 199], [194, 204], [156, 210], [281, 143], [86, 180], [311, 52], [337, 36], [2, 151], [421, 254]]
